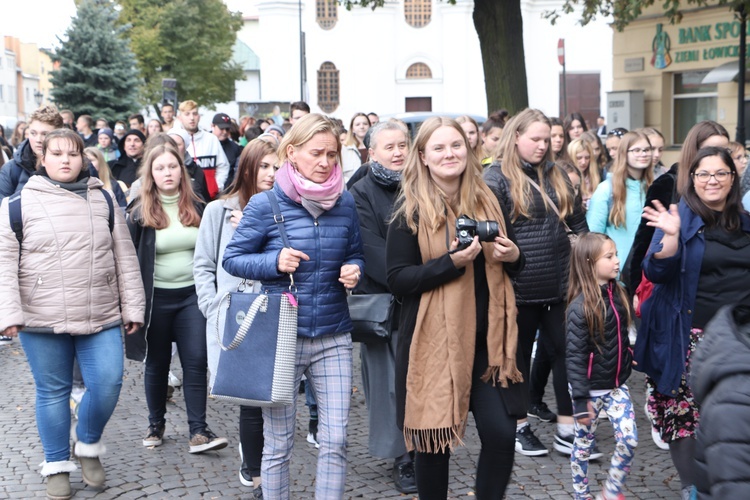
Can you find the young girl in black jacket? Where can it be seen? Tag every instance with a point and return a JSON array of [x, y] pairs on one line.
[[598, 361]]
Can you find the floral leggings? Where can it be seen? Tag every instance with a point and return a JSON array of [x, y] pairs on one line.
[[619, 408]]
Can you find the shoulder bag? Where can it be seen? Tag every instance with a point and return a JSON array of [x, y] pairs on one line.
[[372, 317], [257, 363]]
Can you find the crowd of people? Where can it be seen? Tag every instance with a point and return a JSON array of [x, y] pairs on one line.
[[596, 261]]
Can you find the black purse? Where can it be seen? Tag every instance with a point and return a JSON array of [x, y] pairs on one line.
[[372, 317]]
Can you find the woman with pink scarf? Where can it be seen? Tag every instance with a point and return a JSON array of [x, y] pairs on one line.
[[325, 259]]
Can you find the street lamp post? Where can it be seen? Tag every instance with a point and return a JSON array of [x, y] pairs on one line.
[[38, 97], [740, 136]]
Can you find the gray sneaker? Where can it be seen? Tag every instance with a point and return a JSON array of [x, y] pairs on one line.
[[205, 441]]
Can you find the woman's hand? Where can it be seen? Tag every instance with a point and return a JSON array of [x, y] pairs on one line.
[[131, 328], [289, 260], [661, 218], [463, 257], [11, 331], [349, 275], [236, 217], [504, 250]]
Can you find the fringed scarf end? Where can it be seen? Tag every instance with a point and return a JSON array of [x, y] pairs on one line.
[[434, 440], [504, 375]]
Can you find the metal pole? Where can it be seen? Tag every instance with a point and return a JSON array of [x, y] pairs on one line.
[[301, 57], [741, 77], [565, 91]]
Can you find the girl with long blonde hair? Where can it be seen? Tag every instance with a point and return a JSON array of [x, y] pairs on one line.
[[616, 205], [543, 206], [453, 295], [583, 156]]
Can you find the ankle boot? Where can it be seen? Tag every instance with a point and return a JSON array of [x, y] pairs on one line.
[[58, 486], [91, 467]]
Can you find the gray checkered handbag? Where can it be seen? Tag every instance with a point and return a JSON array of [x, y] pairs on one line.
[[258, 356]]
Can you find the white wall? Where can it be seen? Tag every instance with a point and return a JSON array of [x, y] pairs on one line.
[[588, 49], [8, 104]]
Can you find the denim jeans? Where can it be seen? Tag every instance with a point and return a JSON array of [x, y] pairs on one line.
[[51, 356], [176, 318]]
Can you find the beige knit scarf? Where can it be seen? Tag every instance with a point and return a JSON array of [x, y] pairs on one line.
[[441, 356]]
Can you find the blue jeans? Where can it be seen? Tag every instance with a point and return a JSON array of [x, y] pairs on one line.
[[51, 360]]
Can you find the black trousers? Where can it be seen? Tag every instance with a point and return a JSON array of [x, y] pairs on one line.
[[497, 433], [251, 438], [550, 321], [176, 318]]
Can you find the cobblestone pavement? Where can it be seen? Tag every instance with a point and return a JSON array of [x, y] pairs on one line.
[[169, 471]]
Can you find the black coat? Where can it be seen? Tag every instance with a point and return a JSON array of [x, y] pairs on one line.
[[603, 365], [720, 380], [233, 152], [198, 180], [374, 203], [408, 279], [125, 169], [144, 240], [662, 189], [542, 239]]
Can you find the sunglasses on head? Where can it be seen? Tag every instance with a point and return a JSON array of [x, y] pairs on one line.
[[617, 132]]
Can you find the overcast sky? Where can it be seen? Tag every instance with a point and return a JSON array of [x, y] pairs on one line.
[[42, 21]]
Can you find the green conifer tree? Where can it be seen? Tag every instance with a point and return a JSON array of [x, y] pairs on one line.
[[97, 73]]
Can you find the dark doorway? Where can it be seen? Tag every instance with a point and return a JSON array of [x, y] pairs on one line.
[[583, 96], [418, 104]]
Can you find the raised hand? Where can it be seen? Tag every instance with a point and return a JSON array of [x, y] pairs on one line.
[[666, 220]]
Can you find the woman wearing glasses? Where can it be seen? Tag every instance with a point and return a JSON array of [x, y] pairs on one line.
[[616, 205], [704, 134], [699, 260]]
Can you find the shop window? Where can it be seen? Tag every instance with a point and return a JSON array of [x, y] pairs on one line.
[[418, 13], [694, 102], [326, 13], [328, 87], [418, 71]]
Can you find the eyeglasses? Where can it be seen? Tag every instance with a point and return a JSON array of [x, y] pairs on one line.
[[720, 176], [639, 151]]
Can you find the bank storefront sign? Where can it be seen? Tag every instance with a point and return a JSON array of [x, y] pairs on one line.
[[688, 37]]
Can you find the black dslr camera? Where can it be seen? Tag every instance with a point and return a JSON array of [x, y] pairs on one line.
[[467, 228]]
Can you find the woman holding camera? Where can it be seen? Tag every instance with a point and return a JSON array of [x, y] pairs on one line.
[[458, 335], [543, 206]]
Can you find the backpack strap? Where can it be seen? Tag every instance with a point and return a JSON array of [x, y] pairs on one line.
[[111, 206], [15, 214]]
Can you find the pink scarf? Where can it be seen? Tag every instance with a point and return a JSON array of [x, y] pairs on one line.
[[316, 198]]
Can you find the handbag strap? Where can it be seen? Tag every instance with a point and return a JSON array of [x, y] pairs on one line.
[[218, 247], [259, 304], [278, 217], [549, 200]]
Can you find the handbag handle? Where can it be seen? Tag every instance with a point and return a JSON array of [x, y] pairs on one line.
[[278, 218], [259, 304]]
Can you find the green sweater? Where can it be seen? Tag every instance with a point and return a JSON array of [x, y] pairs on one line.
[[175, 245]]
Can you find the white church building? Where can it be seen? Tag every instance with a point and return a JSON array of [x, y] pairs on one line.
[[409, 55]]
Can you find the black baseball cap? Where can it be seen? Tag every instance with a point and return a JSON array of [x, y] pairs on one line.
[[222, 120]]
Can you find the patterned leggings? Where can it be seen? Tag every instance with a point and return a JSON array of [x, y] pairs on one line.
[[619, 408]]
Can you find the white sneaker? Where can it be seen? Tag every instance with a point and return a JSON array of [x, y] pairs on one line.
[[655, 432], [174, 381]]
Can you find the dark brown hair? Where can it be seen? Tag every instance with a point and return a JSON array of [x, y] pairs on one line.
[[245, 183]]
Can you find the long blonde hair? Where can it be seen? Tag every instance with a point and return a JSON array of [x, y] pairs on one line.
[[512, 168], [152, 211], [351, 139], [102, 167], [420, 199], [478, 148], [619, 176], [590, 177]]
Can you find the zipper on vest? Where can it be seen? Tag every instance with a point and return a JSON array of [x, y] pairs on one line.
[[619, 335], [39, 281], [591, 364]]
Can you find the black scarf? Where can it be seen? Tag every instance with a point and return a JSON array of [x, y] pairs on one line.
[[386, 177], [80, 186]]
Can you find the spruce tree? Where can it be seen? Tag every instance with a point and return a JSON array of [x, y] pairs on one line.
[[97, 72]]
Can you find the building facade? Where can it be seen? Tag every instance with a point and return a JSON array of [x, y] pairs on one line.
[[409, 55], [687, 71]]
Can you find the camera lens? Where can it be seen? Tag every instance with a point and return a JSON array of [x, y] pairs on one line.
[[487, 230]]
